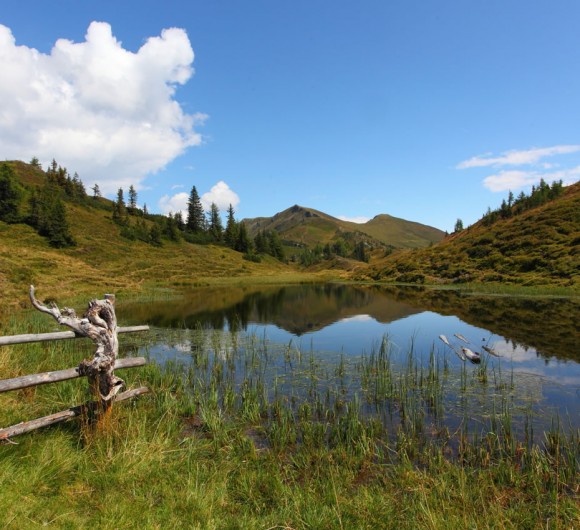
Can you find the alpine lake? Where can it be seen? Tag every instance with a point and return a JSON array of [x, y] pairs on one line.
[[327, 351]]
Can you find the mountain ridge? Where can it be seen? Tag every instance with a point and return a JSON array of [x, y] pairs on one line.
[[306, 227]]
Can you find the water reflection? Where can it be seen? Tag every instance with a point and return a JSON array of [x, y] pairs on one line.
[[547, 326], [535, 338]]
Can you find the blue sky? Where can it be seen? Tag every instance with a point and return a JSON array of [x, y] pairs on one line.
[[426, 110]]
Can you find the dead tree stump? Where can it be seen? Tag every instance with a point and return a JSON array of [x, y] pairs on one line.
[[99, 323]]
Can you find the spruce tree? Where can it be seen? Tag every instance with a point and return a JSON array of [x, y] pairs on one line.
[[10, 195], [96, 191], [244, 242], [231, 233], [215, 226], [119, 208], [195, 215], [132, 200]]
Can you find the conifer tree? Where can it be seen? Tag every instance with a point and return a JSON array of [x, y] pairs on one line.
[[261, 242], [215, 226], [231, 233], [96, 191], [179, 221], [244, 242], [48, 216], [275, 245], [10, 195], [119, 208], [132, 199], [195, 214]]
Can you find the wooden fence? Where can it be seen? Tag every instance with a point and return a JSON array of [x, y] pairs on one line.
[[100, 325]]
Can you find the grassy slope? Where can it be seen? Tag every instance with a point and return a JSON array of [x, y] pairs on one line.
[[310, 227], [103, 261], [538, 247]]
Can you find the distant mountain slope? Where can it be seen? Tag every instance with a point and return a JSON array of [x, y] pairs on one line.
[[537, 246], [307, 227]]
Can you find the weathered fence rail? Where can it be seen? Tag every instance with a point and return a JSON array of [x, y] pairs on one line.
[[27, 381], [99, 323], [57, 335]]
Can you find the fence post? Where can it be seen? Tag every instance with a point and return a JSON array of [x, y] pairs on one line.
[[99, 323]]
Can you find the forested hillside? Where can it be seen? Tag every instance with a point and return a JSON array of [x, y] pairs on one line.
[[529, 240], [56, 235]]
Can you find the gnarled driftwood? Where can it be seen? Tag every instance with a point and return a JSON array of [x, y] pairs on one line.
[[99, 323]]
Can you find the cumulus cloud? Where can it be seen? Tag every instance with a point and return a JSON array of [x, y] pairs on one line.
[[221, 195], [518, 158], [534, 168], [358, 220], [97, 108], [174, 204]]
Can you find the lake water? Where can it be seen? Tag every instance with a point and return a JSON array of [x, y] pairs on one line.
[[535, 339]]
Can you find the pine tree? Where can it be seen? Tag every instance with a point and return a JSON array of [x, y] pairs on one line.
[[244, 243], [231, 233], [96, 191], [155, 235], [132, 200], [10, 195], [275, 245], [195, 215], [49, 216], [171, 231], [179, 221], [119, 208], [215, 226], [360, 253], [261, 242]]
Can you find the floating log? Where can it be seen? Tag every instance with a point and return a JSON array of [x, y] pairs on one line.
[[491, 351], [455, 350], [461, 338], [27, 426], [472, 356], [61, 375], [58, 335]]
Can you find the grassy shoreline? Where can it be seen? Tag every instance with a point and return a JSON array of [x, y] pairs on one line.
[[206, 450]]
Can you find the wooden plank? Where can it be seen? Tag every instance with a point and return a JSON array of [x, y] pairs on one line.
[[26, 381], [58, 335], [27, 426]]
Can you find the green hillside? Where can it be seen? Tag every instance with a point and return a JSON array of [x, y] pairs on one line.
[[305, 227], [104, 261], [535, 246]]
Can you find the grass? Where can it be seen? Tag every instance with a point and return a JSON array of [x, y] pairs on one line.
[[536, 248], [241, 433]]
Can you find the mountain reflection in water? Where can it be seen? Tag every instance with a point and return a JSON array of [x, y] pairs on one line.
[[546, 325]]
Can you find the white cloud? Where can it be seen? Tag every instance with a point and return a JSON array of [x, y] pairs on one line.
[[514, 179], [221, 195], [510, 180], [518, 158], [98, 109], [359, 220], [174, 204]]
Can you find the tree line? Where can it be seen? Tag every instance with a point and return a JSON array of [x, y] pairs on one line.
[[198, 226], [540, 194]]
